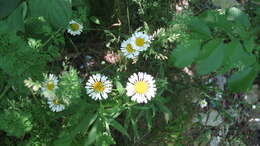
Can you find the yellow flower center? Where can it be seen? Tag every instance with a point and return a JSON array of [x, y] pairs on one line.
[[56, 101], [98, 87], [74, 26], [129, 48], [139, 42], [50, 85], [141, 87]]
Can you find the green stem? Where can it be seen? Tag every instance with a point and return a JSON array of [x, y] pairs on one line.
[[128, 18], [52, 36], [73, 44], [5, 90]]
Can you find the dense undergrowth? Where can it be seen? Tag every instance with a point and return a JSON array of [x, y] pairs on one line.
[[129, 72]]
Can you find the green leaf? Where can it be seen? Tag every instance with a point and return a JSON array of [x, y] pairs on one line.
[[57, 12], [7, 7], [185, 53], [215, 19], [249, 44], [239, 16], [167, 112], [200, 27], [120, 88], [229, 49], [211, 58], [60, 14], [92, 136], [119, 127], [135, 128], [84, 124], [235, 56], [15, 123], [241, 81], [15, 20]]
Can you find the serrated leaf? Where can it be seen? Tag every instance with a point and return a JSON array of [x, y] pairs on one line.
[[119, 127], [242, 80], [212, 58], [185, 53]]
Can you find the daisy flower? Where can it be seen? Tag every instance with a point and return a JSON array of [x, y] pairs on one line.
[[49, 86], [128, 50], [140, 41], [203, 103], [56, 105], [98, 86], [141, 87], [74, 28]]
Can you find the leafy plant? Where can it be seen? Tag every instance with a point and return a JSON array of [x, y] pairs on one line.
[[220, 48]]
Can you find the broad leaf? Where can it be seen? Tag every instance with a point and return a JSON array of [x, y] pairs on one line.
[[185, 53], [15, 20], [212, 57], [242, 80], [57, 12], [200, 27], [7, 7], [239, 16], [235, 56]]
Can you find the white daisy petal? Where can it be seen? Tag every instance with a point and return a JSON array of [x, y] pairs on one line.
[[100, 88], [128, 50], [141, 87], [49, 86], [56, 105], [140, 41], [74, 28]]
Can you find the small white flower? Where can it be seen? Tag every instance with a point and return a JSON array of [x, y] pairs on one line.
[[203, 103], [140, 41], [128, 50], [74, 28], [56, 105], [98, 86], [49, 86], [141, 87]]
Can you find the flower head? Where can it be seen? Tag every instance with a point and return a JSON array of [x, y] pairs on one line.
[[49, 86], [98, 86], [74, 28], [140, 41], [203, 103], [128, 50], [56, 105], [112, 57], [141, 87]]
